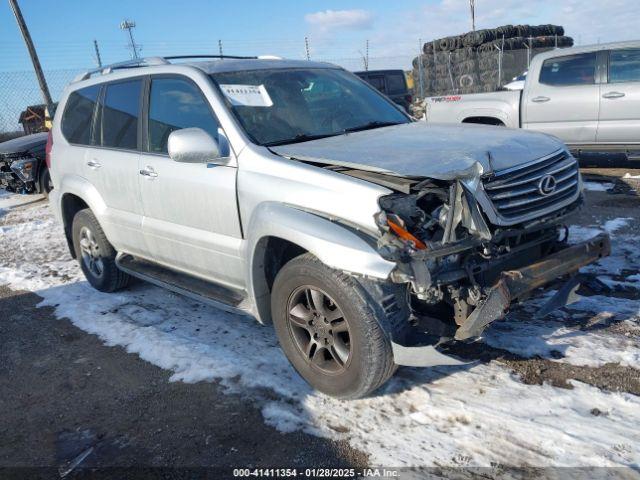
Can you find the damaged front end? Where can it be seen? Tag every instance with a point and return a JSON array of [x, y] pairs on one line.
[[463, 270]]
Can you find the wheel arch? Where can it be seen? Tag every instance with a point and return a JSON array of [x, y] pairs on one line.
[[484, 120], [280, 233], [77, 194]]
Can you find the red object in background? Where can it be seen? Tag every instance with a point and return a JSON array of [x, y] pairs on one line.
[[47, 150]]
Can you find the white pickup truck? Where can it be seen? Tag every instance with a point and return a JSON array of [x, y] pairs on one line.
[[589, 97]]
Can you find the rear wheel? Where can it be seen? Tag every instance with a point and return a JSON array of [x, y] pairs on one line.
[[96, 255], [45, 182], [334, 329]]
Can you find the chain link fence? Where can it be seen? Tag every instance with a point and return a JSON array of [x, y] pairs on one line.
[[19, 90]]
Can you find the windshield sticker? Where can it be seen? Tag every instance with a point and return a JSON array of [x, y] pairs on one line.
[[247, 95]]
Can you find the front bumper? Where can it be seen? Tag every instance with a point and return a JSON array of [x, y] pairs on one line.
[[518, 284], [515, 285]]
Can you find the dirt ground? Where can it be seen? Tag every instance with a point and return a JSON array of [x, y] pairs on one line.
[[63, 392]]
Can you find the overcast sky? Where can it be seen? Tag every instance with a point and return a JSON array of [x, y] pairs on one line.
[[337, 30]]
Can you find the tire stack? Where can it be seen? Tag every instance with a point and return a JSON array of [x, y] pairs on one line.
[[468, 63]]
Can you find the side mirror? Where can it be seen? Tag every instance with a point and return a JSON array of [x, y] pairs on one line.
[[194, 145]]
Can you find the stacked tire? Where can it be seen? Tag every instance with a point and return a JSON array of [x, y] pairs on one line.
[[469, 63]]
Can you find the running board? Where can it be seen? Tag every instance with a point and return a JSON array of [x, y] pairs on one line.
[[211, 293]]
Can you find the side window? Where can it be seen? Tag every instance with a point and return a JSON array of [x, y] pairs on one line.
[[569, 70], [624, 66], [118, 127], [78, 115], [175, 103], [396, 84], [377, 81]]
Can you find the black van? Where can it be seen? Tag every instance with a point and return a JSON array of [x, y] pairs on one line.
[[390, 82]]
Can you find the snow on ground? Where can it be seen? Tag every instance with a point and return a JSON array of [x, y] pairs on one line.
[[473, 415], [598, 186]]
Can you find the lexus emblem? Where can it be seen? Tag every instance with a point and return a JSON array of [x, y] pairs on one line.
[[547, 185]]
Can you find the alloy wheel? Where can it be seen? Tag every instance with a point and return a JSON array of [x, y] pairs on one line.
[[91, 255], [319, 329]]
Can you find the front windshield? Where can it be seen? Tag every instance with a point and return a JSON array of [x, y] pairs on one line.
[[279, 106]]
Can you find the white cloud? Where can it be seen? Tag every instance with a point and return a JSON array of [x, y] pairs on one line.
[[329, 20]]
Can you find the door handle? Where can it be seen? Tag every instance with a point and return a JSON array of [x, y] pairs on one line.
[[94, 164], [148, 172], [540, 99], [613, 95]]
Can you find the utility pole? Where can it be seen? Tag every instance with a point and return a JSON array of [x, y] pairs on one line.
[[129, 26], [98, 59], [34, 56], [472, 4], [306, 47], [367, 62]]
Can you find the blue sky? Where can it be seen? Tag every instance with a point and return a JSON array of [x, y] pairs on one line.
[[64, 31]]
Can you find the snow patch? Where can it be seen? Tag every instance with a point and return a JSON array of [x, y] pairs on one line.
[[597, 186]]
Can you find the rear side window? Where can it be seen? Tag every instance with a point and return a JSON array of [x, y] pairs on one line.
[[175, 103], [396, 84], [569, 70], [118, 125], [377, 81], [624, 66], [78, 115]]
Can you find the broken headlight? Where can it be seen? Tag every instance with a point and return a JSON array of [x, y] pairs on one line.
[[24, 168]]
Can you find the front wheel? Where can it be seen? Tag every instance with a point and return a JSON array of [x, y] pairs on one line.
[[330, 327]]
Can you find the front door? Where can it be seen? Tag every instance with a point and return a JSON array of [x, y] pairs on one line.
[[620, 99], [191, 220], [565, 99]]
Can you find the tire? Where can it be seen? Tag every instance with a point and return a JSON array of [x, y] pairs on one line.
[[96, 255], [365, 312], [45, 182]]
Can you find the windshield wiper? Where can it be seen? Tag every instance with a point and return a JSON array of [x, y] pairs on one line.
[[303, 137], [370, 126]]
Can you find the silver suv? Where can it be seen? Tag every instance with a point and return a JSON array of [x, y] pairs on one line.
[[296, 193]]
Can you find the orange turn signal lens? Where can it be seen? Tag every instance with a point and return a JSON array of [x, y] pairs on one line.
[[403, 234]]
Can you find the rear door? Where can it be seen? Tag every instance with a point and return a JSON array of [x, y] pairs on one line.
[[565, 99], [620, 99], [191, 218], [111, 163]]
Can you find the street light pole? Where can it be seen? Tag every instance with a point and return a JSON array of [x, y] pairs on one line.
[[34, 56], [472, 4]]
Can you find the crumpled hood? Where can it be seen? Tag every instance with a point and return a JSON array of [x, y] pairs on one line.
[[427, 150], [23, 144]]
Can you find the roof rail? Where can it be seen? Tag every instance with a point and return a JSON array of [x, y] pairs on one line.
[[136, 62], [148, 62], [234, 57]]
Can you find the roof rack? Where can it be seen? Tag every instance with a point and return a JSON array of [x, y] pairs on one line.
[[148, 62]]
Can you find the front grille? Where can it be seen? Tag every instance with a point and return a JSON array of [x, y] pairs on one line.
[[526, 192]]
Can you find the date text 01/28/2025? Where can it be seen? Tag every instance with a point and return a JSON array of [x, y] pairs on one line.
[[342, 473]]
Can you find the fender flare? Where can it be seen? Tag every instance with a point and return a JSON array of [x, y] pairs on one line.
[[335, 245], [83, 189], [497, 113]]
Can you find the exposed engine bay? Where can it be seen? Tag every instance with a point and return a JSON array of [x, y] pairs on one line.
[[463, 272]]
